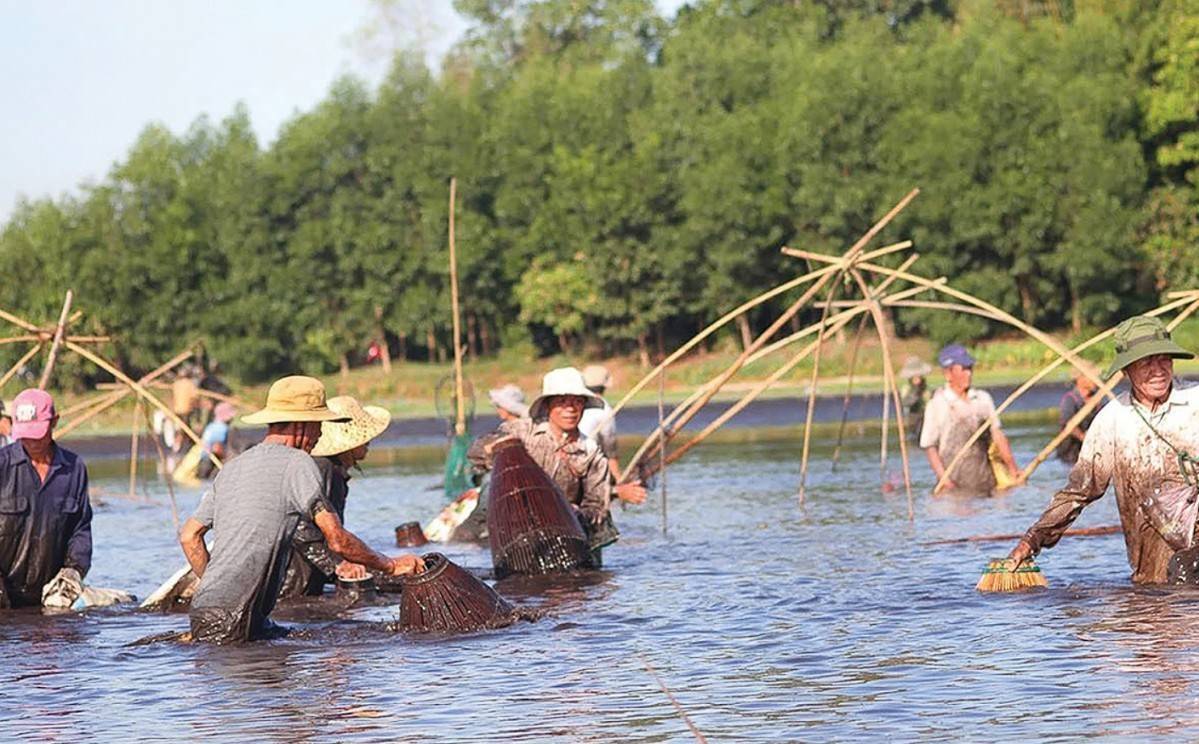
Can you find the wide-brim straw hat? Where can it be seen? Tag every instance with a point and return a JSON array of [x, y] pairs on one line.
[[562, 381], [1142, 336], [364, 424], [295, 398], [915, 367]]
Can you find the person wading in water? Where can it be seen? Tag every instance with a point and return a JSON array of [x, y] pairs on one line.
[[341, 447], [1145, 443], [953, 414], [253, 508], [574, 462]]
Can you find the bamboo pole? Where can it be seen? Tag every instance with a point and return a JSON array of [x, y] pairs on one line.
[[137, 387], [23, 324], [20, 363], [880, 324], [836, 323], [1104, 390], [460, 422], [59, 330], [662, 451], [809, 414], [133, 449], [111, 399], [853, 361], [1030, 382], [787, 340], [19, 339], [1111, 529], [739, 310], [846, 260], [166, 473]]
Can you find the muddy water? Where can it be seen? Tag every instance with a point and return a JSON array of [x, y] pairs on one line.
[[765, 621]]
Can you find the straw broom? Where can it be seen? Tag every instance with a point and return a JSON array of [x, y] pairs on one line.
[[1001, 576]]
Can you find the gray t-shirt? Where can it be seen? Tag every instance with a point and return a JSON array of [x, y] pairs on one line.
[[253, 508]]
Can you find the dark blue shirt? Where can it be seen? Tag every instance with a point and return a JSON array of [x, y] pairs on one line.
[[43, 526]]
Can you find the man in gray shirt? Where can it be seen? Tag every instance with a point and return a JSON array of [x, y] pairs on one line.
[[253, 508]]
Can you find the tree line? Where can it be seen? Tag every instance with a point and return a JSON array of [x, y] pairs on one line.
[[624, 179]]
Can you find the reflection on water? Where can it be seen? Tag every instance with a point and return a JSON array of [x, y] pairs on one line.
[[764, 620]]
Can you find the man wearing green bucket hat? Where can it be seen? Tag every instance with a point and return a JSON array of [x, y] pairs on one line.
[[1145, 443]]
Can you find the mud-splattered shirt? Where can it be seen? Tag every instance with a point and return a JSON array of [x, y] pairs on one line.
[[1121, 449], [575, 464], [949, 420]]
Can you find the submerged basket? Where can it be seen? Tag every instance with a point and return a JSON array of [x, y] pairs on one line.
[[532, 530], [410, 535], [445, 598]]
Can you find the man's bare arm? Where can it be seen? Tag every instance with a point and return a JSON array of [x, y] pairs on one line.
[[191, 539], [351, 548]]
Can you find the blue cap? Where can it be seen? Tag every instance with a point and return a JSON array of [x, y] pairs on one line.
[[955, 354]]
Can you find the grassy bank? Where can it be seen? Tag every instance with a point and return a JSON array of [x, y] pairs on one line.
[[409, 391]]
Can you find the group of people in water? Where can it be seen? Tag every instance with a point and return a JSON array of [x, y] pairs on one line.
[[276, 510]]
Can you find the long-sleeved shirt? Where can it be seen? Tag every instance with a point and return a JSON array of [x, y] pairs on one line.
[[1121, 449], [575, 464], [44, 526]]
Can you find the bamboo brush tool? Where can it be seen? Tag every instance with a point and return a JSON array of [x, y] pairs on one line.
[[999, 576]]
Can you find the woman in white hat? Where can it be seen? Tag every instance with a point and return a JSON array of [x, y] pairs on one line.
[[341, 447], [552, 437]]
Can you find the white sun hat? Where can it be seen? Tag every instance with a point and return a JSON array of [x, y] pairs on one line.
[[562, 381], [364, 424]]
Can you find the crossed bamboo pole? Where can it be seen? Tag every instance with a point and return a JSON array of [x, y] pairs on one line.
[[660, 437]]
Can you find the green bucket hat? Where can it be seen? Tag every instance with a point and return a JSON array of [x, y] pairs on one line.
[[1141, 336]]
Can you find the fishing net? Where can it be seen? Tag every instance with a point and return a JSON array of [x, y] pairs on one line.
[[458, 475]]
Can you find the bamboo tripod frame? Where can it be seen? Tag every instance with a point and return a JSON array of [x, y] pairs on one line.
[[853, 266], [59, 338]]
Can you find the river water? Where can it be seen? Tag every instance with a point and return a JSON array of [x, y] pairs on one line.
[[763, 620]]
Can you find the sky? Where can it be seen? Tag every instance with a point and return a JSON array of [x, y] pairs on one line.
[[82, 78]]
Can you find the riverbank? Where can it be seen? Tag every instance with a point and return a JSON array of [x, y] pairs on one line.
[[409, 391]]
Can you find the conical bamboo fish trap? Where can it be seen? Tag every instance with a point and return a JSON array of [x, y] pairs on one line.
[[446, 598], [532, 529]]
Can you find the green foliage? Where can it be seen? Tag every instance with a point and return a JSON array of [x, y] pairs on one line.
[[623, 180]]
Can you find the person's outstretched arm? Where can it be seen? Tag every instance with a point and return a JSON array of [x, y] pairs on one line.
[[351, 548]]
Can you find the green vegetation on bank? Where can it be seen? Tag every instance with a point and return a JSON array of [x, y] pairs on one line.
[[625, 179]]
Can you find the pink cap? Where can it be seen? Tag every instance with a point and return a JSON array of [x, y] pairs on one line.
[[32, 412]]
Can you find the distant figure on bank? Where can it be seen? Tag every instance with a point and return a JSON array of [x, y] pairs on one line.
[[1071, 403], [5, 426], [1144, 443], [215, 439], [255, 503], [914, 394], [572, 460], [953, 414], [185, 399], [341, 447], [45, 515]]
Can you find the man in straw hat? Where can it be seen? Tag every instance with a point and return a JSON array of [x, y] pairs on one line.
[[952, 416], [341, 447], [253, 508], [1071, 403], [1144, 442], [552, 438]]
